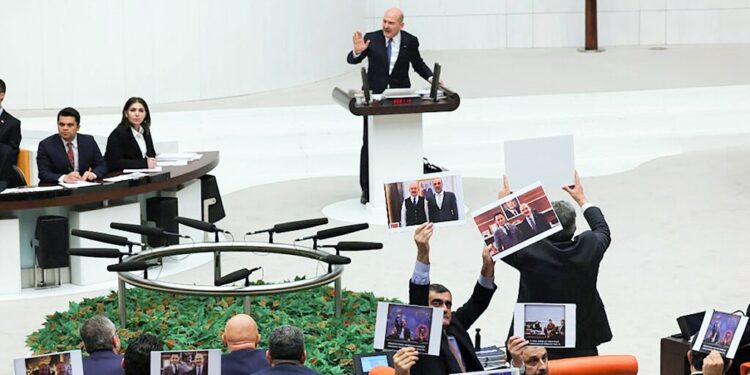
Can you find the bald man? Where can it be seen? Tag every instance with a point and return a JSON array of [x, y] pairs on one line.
[[241, 338]]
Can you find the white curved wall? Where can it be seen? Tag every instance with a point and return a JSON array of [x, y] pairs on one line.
[[91, 53], [483, 24]]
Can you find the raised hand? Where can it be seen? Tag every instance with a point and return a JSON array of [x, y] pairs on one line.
[[359, 43], [422, 239], [576, 191], [505, 191], [516, 346], [404, 359]]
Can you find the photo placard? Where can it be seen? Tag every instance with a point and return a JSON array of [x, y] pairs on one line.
[[551, 325], [193, 362], [516, 221], [398, 326], [60, 363], [435, 197], [720, 331]]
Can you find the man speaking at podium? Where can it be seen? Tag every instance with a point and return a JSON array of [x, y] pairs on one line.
[[389, 53]]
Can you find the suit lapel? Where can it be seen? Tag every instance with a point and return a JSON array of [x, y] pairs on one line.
[[61, 154]]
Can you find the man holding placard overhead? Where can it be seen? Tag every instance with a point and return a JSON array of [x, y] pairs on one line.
[[389, 52], [564, 269]]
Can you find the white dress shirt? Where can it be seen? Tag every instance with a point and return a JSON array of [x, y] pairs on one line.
[[138, 135]]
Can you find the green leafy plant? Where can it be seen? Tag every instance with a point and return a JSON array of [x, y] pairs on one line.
[[189, 322]]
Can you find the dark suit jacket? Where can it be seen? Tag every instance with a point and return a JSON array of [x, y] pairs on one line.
[[123, 151], [461, 320], [378, 64], [449, 210], [10, 133], [567, 272], [103, 362], [505, 241], [52, 158], [541, 225], [288, 368], [244, 362]]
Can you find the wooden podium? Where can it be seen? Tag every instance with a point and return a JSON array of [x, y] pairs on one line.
[[394, 136]]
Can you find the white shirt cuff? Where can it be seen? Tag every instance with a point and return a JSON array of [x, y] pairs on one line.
[[61, 179], [586, 206], [487, 282], [355, 54]]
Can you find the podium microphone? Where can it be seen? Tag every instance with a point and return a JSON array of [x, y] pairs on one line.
[[107, 238], [238, 275], [290, 226], [144, 230], [139, 265], [355, 246], [336, 259]]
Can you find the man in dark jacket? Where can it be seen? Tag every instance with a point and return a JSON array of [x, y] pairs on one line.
[[241, 338], [102, 344], [564, 269], [456, 350]]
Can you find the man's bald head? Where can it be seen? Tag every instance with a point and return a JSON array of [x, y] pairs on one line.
[[241, 332]]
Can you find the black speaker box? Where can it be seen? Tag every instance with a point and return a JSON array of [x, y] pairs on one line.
[[52, 245], [209, 189], [162, 211]]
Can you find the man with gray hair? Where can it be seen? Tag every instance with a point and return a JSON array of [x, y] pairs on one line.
[[286, 352], [565, 269], [102, 344]]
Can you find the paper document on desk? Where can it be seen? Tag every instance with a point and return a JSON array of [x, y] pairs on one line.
[[78, 184], [172, 163], [143, 170], [125, 177], [31, 189], [175, 156]]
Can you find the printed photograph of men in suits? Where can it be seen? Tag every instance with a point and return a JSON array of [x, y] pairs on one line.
[[437, 198], [508, 227], [185, 363]]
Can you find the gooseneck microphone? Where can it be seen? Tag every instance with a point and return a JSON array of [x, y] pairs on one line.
[[336, 259], [106, 238], [139, 265], [335, 232], [290, 226], [96, 252], [199, 225], [144, 230], [238, 275], [355, 246]]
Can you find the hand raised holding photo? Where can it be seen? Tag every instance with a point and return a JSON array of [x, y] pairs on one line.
[[422, 239], [404, 359], [505, 191], [576, 191]]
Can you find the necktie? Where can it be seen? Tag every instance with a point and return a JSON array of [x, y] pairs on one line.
[[71, 156], [453, 346], [390, 43], [531, 221], [414, 201]]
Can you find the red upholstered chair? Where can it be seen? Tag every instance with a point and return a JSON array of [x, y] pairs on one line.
[[745, 368], [597, 365]]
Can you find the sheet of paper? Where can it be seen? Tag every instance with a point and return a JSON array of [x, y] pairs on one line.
[[125, 177], [172, 163], [174, 156], [143, 170], [32, 189], [550, 160], [78, 184]]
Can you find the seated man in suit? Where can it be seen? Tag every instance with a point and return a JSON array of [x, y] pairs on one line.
[[68, 156], [442, 206], [10, 135], [533, 222], [137, 358], [389, 53], [241, 338], [413, 208], [456, 350], [506, 235], [531, 360], [286, 352], [102, 343]]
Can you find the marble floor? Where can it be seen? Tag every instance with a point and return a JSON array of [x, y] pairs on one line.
[[662, 139]]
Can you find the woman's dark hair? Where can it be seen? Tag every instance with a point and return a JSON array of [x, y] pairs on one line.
[[146, 121]]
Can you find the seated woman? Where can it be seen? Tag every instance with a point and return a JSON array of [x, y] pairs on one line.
[[129, 146]]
